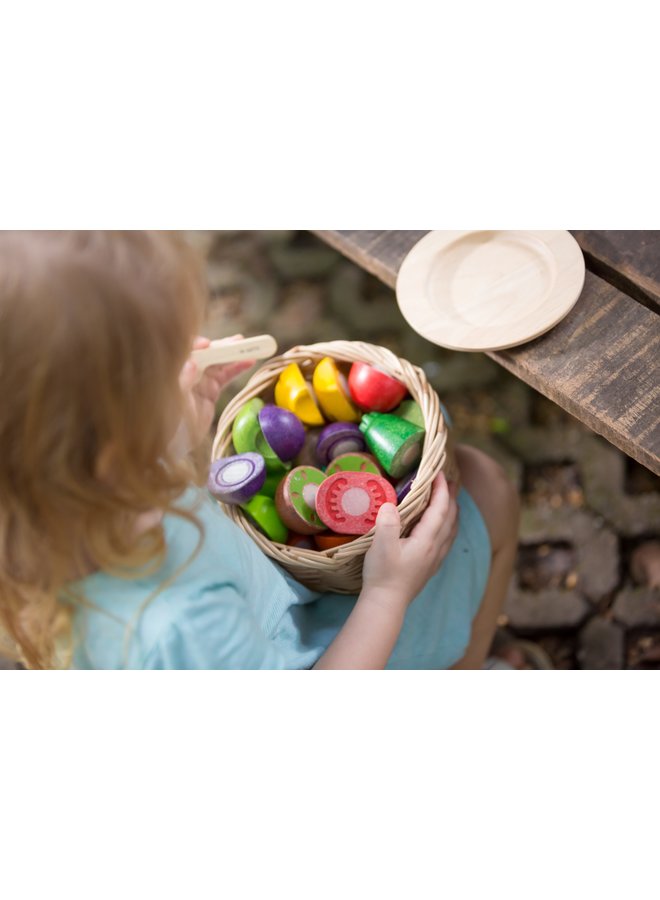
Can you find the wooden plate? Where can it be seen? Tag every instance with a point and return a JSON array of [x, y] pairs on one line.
[[486, 290]]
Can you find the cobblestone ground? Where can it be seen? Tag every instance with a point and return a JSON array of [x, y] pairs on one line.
[[585, 504]]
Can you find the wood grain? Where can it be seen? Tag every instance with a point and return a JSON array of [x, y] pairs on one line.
[[630, 260], [489, 290], [601, 363]]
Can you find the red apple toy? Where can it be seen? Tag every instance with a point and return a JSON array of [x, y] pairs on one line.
[[373, 390]]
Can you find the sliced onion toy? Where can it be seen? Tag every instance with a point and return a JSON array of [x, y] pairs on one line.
[[348, 502], [338, 438], [296, 500], [235, 479]]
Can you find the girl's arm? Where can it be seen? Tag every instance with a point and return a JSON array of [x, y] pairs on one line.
[[395, 570]]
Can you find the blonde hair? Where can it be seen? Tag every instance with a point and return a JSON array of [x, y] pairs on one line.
[[94, 330]]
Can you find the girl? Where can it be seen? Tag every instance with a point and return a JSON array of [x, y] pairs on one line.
[[112, 556]]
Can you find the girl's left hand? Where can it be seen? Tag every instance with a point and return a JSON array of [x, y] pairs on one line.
[[202, 395]]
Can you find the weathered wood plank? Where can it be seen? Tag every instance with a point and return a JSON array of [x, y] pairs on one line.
[[379, 252], [630, 260], [601, 363]]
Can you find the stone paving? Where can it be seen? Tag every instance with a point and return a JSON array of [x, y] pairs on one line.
[[585, 505]]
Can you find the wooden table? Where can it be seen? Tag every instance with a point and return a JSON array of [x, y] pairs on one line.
[[602, 362]]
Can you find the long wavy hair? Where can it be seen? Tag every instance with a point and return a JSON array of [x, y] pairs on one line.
[[94, 330]]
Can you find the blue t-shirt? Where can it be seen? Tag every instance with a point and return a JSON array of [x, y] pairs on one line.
[[228, 606]]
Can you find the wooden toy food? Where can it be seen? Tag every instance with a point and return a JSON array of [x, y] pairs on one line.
[[247, 436], [354, 462], [332, 392], [327, 540], [246, 426], [302, 541], [338, 438], [283, 431], [235, 479], [411, 411], [402, 487], [296, 500], [246, 433], [262, 511], [348, 502], [271, 483], [307, 456], [396, 443], [373, 390], [294, 393]]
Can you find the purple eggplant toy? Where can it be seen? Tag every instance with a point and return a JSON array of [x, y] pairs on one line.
[[283, 430], [340, 437], [236, 479]]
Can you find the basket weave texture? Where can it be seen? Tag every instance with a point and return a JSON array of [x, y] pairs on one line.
[[340, 570]]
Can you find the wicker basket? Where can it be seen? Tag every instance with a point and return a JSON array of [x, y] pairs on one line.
[[340, 569]]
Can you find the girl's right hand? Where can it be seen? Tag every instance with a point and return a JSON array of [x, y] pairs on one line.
[[398, 568], [202, 393]]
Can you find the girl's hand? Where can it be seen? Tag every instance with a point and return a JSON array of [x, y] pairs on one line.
[[202, 395], [396, 568]]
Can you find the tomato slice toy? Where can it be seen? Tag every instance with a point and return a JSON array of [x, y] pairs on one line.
[[348, 502]]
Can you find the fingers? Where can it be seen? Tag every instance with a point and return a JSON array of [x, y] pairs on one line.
[[200, 342], [228, 340], [388, 526], [435, 513], [213, 380], [448, 543], [388, 516], [189, 375], [227, 371]]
